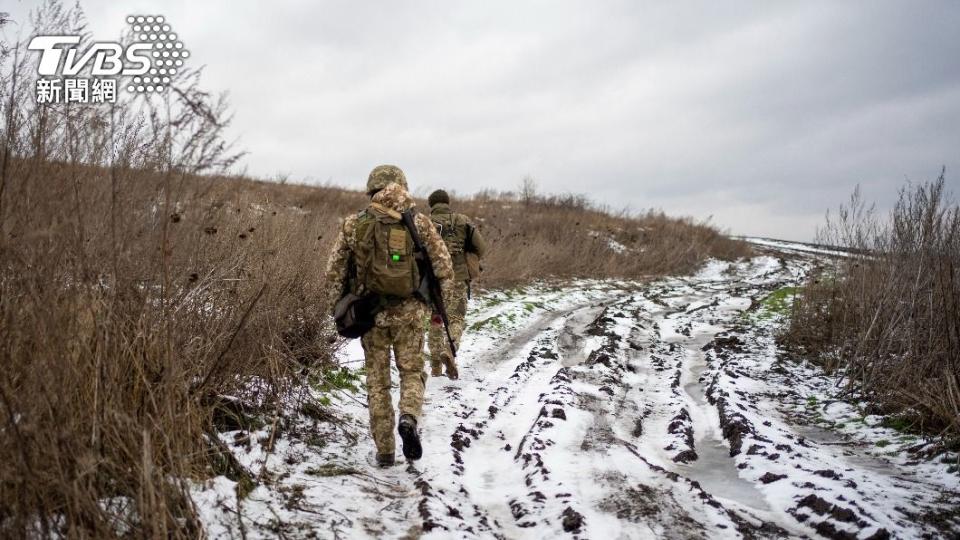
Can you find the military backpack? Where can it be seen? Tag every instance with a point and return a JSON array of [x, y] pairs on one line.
[[385, 261], [455, 231]]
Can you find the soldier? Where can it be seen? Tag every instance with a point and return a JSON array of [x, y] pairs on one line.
[[466, 246], [358, 266]]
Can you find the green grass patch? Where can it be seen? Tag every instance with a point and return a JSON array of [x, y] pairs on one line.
[[898, 423], [530, 306], [492, 302], [883, 443], [492, 322], [776, 304], [340, 378]]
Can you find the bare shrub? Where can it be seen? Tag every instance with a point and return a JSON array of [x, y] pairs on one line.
[[528, 190], [134, 296], [148, 299], [888, 317]]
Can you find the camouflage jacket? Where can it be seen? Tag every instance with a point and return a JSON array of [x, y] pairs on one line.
[[396, 198], [460, 235]]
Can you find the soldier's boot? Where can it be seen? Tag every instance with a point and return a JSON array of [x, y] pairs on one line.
[[407, 427], [386, 460], [435, 368], [451, 366]]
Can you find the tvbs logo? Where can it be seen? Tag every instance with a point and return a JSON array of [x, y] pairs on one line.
[[150, 62], [108, 58]]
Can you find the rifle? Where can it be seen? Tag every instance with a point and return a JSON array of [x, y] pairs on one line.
[[429, 288]]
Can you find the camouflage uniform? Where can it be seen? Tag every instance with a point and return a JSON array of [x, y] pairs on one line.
[[460, 235], [398, 327]]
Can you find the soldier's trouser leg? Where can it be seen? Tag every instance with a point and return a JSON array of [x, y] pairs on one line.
[[376, 349], [456, 312], [436, 366], [408, 350], [436, 339]]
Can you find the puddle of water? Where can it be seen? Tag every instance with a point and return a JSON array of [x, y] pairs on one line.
[[714, 469], [717, 474]]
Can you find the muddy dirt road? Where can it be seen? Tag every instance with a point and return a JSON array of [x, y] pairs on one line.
[[606, 410]]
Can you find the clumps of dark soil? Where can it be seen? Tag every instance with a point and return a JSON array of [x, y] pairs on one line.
[[946, 519], [682, 425], [520, 511], [827, 473], [675, 382], [686, 456], [601, 327], [822, 507], [572, 520], [769, 477], [836, 513], [462, 436], [562, 376], [424, 507], [829, 530], [461, 439], [642, 503], [734, 425], [548, 354], [725, 342], [599, 357], [525, 366], [633, 504]]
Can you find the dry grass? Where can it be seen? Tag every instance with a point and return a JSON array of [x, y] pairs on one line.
[[139, 288], [567, 237], [889, 316], [126, 314]]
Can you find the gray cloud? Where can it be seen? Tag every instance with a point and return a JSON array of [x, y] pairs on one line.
[[762, 115]]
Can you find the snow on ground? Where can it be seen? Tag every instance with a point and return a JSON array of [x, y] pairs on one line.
[[784, 246], [601, 410]]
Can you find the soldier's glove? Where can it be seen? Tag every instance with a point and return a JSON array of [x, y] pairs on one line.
[[435, 319]]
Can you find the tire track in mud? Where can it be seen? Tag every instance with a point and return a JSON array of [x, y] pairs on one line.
[[608, 366], [488, 426], [560, 359]]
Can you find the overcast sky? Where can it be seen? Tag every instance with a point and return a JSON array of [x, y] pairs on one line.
[[759, 114]]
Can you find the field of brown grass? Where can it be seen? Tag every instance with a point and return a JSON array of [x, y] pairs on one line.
[[147, 299], [132, 300]]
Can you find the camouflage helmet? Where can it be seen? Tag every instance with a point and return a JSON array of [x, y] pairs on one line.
[[382, 175]]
